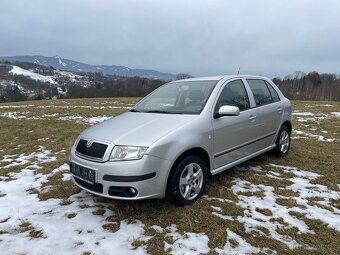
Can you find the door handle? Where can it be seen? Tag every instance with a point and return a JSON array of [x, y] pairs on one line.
[[252, 117]]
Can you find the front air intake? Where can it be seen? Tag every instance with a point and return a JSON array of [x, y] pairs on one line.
[[93, 150]]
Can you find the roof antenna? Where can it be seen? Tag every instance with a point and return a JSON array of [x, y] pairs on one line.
[[238, 72]]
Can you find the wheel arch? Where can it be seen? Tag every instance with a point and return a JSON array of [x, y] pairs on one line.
[[196, 151], [287, 124]]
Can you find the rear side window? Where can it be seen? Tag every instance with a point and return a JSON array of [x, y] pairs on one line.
[[234, 93], [273, 92], [260, 91]]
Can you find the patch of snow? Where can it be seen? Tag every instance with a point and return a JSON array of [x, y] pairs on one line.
[[304, 189], [20, 71], [303, 114], [90, 120], [76, 118], [216, 208], [83, 233], [158, 229], [186, 244], [67, 177], [318, 105], [42, 155], [15, 106], [224, 217], [301, 134], [94, 120], [84, 107], [337, 114], [242, 246], [316, 119], [61, 62], [71, 117]]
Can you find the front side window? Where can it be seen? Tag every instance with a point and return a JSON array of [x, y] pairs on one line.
[[177, 98], [260, 91], [235, 94]]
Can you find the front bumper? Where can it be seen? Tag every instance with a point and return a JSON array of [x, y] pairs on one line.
[[148, 176]]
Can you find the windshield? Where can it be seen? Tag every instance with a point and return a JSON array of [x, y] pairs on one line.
[[178, 98]]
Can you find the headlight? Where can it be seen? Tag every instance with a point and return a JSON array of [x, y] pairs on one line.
[[127, 153]]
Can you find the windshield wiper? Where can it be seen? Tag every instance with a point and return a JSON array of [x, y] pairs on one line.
[[160, 111]]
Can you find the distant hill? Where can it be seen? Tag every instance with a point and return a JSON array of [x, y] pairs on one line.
[[74, 66], [30, 81]]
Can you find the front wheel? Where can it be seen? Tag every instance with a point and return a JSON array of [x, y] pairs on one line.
[[282, 142], [188, 181]]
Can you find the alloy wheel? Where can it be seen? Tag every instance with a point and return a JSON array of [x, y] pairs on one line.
[[191, 181]]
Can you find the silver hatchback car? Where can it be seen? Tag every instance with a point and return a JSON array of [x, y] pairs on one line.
[[184, 131]]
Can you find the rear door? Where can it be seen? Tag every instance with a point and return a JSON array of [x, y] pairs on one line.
[[267, 111]]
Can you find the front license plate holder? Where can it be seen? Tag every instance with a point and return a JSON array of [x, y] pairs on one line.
[[83, 173]]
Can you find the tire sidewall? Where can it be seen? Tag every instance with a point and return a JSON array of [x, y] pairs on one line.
[[278, 149], [175, 178]]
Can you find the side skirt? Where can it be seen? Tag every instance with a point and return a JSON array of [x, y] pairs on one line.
[[225, 167]]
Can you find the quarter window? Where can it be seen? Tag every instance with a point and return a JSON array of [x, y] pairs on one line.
[[234, 93], [273, 92], [260, 91]]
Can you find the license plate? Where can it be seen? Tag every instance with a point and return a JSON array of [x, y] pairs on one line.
[[83, 173]]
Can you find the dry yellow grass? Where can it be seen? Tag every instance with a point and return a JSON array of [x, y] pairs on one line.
[[25, 136]]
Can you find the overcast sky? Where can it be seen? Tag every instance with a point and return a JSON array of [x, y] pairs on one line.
[[272, 38]]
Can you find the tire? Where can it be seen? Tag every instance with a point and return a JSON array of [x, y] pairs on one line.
[[187, 182], [282, 142]]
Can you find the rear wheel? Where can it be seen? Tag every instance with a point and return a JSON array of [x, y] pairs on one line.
[[188, 181], [282, 142]]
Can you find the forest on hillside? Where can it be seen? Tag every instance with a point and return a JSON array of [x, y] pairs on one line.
[[16, 87], [311, 86]]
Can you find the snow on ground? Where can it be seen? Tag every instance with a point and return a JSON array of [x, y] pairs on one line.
[[318, 105], [73, 77], [18, 160], [84, 232], [15, 106], [76, 235], [297, 134], [282, 216], [303, 113], [84, 107], [90, 120], [56, 116], [242, 246], [187, 244], [309, 117], [337, 114], [35, 76]]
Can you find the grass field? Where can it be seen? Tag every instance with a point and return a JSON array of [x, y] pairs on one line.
[[265, 206]]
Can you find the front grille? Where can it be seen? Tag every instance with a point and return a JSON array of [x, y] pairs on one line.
[[96, 150], [96, 187]]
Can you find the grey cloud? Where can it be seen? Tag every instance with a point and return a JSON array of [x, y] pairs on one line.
[[273, 38]]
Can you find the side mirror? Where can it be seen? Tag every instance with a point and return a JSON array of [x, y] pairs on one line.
[[227, 110]]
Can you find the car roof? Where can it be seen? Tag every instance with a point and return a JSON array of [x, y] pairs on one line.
[[220, 77]]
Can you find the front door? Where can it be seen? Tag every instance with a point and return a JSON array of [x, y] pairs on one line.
[[232, 133]]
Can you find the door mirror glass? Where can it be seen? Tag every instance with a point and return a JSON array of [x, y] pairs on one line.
[[228, 110]]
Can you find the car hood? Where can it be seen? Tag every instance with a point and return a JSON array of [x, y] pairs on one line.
[[137, 128]]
